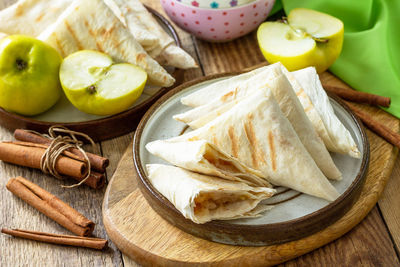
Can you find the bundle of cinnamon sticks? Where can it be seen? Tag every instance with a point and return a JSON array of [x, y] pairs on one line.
[[57, 210], [30, 148], [370, 99]]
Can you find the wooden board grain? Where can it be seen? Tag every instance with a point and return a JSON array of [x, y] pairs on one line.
[[143, 235]]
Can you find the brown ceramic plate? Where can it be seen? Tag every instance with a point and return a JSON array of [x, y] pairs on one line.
[[97, 127], [294, 215]]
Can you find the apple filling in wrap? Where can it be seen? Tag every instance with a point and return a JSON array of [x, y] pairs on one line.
[[31, 17], [257, 133], [271, 79], [143, 25], [202, 157], [202, 198], [81, 26], [339, 138]]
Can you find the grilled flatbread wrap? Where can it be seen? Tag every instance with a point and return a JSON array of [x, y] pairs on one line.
[[308, 106], [202, 198], [202, 157], [82, 26], [202, 97], [271, 79], [31, 17], [340, 139], [257, 133], [142, 25], [122, 10]]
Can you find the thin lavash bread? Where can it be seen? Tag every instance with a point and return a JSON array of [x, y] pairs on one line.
[[256, 132], [81, 26], [340, 139], [202, 157], [143, 25], [31, 17], [202, 198], [270, 79]]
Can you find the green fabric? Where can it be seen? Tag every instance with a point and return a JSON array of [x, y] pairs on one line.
[[370, 59]]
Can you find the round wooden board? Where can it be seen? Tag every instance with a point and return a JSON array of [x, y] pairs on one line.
[[144, 236]]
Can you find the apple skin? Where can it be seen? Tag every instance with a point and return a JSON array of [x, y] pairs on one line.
[[32, 85], [321, 56]]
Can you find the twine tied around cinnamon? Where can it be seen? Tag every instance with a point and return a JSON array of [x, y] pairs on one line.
[[59, 144]]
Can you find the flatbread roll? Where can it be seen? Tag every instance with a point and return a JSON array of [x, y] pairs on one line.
[[340, 139], [203, 198], [203, 96], [31, 17], [271, 79], [122, 10], [257, 133], [142, 24], [83, 27], [203, 157], [308, 106]]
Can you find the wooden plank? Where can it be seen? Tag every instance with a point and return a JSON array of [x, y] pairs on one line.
[[17, 214], [149, 239], [356, 248], [389, 205], [232, 56]]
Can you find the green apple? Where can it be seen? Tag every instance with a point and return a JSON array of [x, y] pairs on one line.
[[29, 82], [95, 85], [306, 38]]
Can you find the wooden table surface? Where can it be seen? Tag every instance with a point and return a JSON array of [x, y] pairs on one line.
[[374, 242]]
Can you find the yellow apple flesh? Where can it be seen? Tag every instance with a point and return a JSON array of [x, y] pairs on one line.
[[309, 38], [95, 85]]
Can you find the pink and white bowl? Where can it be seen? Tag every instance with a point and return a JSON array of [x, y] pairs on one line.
[[218, 25]]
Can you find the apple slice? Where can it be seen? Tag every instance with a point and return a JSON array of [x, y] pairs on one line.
[[307, 38], [95, 85]]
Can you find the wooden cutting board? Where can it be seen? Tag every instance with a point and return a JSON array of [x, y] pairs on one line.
[[148, 239]]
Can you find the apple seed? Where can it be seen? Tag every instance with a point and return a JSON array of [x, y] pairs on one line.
[[21, 65], [92, 89]]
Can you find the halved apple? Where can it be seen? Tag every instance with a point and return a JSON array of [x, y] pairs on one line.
[[307, 38], [95, 85]]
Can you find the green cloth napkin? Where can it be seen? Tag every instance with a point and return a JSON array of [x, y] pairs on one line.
[[370, 59]]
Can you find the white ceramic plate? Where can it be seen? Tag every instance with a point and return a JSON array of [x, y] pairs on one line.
[[159, 124]]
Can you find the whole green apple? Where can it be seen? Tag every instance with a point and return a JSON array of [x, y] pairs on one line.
[[29, 82]]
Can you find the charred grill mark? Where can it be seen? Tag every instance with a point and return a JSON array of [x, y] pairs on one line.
[[229, 95], [19, 11], [215, 140], [140, 57], [272, 149], [59, 46], [300, 92], [249, 131], [234, 142], [38, 19], [308, 108], [71, 31]]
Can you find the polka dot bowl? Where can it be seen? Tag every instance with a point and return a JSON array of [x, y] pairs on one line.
[[216, 3], [218, 25]]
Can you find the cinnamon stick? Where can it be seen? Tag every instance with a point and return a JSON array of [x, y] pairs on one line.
[[97, 162], [29, 155], [359, 97], [51, 206], [375, 126], [96, 180], [69, 240]]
